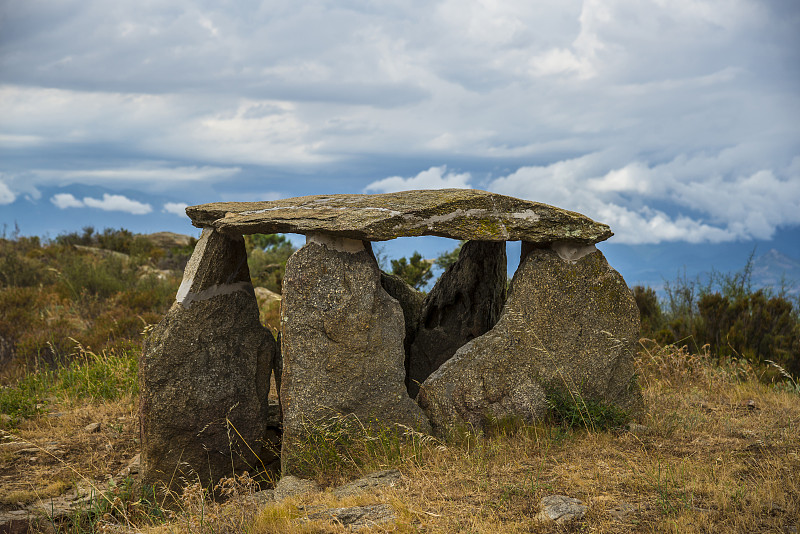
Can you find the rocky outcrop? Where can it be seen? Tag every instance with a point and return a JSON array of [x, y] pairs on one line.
[[169, 239], [465, 303], [568, 328], [204, 373], [342, 344], [453, 213]]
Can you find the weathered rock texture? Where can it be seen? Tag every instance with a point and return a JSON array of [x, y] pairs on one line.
[[454, 213], [204, 372], [465, 303], [569, 325], [561, 509], [410, 301], [342, 344]]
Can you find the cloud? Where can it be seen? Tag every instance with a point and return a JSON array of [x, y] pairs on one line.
[[66, 200], [118, 203], [699, 198], [107, 203], [6, 195], [176, 208], [578, 103], [433, 178]]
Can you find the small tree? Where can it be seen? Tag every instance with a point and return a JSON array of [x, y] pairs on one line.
[[416, 271], [446, 259]]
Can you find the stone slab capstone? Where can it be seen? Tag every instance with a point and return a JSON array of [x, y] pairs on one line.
[[454, 213]]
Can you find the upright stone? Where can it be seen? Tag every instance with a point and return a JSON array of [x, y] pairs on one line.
[[342, 344], [465, 303], [569, 328], [204, 373], [411, 302]]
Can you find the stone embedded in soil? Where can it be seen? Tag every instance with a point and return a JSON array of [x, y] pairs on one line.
[[568, 328], [378, 479], [454, 213], [92, 428], [357, 517], [561, 509], [341, 344], [464, 304], [292, 486], [204, 373]]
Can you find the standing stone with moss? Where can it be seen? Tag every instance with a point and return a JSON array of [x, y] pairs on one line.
[[569, 330], [342, 345], [204, 373]]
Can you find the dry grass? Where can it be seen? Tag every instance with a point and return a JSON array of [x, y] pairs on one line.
[[720, 453]]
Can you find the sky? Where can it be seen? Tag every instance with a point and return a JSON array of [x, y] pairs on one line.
[[676, 122]]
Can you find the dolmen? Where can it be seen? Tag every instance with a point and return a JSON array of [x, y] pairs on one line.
[[361, 343]]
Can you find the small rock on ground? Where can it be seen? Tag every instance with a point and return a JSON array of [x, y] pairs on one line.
[[291, 486], [91, 428], [561, 509], [372, 480], [357, 517]]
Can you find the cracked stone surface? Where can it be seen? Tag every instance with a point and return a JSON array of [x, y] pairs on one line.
[[464, 304], [341, 344], [357, 517], [561, 509], [569, 327], [204, 372], [456, 213]]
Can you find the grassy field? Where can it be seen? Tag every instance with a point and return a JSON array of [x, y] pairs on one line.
[[718, 451]]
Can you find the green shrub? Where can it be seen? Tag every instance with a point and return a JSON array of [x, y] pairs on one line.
[[266, 259], [727, 314], [415, 271], [107, 375], [570, 410]]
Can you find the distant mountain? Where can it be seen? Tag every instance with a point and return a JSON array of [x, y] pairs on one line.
[[776, 270]]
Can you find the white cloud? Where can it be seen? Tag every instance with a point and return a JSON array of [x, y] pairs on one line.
[[704, 198], [433, 178], [66, 200], [107, 203], [6, 195], [176, 208], [670, 119], [118, 203]]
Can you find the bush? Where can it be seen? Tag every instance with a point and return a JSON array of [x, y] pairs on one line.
[[726, 314], [415, 271], [266, 259], [570, 410]]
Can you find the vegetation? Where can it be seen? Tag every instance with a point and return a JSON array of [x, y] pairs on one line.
[[725, 313], [101, 289], [717, 450], [266, 258], [415, 270]]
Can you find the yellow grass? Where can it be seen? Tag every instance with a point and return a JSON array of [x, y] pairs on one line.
[[719, 451]]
